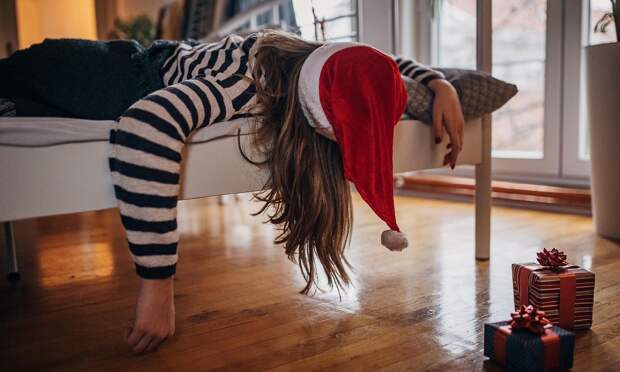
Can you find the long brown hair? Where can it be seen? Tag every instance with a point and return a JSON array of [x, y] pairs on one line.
[[307, 195]]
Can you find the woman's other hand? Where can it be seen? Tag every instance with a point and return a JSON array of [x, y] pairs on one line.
[[154, 316], [447, 113]]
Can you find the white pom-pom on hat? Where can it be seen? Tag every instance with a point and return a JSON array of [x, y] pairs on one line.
[[394, 240]]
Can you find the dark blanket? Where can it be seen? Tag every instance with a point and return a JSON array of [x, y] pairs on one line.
[[82, 78]]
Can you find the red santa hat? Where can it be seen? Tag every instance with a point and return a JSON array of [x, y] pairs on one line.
[[356, 91]]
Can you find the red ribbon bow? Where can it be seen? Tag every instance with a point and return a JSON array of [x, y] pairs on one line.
[[553, 259], [529, 318]]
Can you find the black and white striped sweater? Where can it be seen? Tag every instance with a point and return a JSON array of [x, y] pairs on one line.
[[204, 84]]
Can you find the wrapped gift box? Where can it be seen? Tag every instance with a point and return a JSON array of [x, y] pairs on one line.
[[525, 351], [565, 294]]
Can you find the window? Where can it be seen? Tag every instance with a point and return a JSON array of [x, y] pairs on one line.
[[519, 32], [456, 34], [334, 20], [537, 44], [265, 18], [314, 20]]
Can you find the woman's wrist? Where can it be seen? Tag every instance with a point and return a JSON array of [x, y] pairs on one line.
[[157, 284], [438, 85]]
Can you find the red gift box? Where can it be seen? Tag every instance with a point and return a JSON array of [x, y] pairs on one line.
[[564, 293]]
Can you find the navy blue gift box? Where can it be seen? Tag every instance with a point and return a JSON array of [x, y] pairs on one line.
[[525, 351]]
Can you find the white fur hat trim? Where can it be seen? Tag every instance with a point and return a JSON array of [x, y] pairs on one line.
[[309, 78]]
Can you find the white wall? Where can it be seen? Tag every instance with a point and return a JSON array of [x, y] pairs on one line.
[[40, 19], [128, 9]]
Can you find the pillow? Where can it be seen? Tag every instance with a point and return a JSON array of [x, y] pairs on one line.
[[479, 92]]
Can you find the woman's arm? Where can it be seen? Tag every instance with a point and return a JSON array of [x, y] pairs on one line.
[[145, 162], [447, 112], [417, 71]]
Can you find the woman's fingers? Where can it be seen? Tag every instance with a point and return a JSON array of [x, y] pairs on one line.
[[459, 133], [454, 146], [142, 344], [455, 156], [155, 342], [453, 134], [450, 159], [438, 126], [454, 126], [137, 339], [133, 337]]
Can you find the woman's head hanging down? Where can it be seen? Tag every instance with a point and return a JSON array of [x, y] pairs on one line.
[[327, 115]]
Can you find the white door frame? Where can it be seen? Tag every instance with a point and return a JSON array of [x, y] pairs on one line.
[[574, 108]]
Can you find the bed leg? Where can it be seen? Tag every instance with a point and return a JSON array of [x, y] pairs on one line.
[[13, 276], [483, 195]]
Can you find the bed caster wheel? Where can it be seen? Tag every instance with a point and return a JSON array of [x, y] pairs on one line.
[[13, 278]]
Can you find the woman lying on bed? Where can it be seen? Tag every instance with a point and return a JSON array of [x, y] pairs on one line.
[[327, 113]]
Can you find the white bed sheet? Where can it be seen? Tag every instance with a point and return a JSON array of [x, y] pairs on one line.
[[50, 131], [41, 180]]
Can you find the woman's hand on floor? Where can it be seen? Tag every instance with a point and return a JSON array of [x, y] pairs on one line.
[[154, 316], [447, 113]]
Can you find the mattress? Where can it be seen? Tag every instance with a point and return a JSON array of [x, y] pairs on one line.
[[52, 166], [50, 131]]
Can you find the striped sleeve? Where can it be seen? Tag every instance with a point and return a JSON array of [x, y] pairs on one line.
[[417, 71], [145, 162]]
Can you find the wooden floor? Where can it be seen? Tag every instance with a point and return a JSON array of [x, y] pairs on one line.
[[237, 303]]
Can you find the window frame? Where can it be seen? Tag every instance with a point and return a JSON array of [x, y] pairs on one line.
[[373, 18]]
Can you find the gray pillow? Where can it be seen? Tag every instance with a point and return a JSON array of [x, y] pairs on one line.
[[479, 92]]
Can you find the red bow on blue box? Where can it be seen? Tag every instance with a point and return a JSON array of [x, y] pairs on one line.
[[529, 342], [529, 318]]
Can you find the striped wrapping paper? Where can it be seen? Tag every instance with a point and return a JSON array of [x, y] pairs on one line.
[[543, 287]]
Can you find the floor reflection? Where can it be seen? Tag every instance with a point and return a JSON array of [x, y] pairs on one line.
[[81, 262], [457, 320]]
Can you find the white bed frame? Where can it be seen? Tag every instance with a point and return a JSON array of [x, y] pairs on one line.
[[70, 178], [74, 177]]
